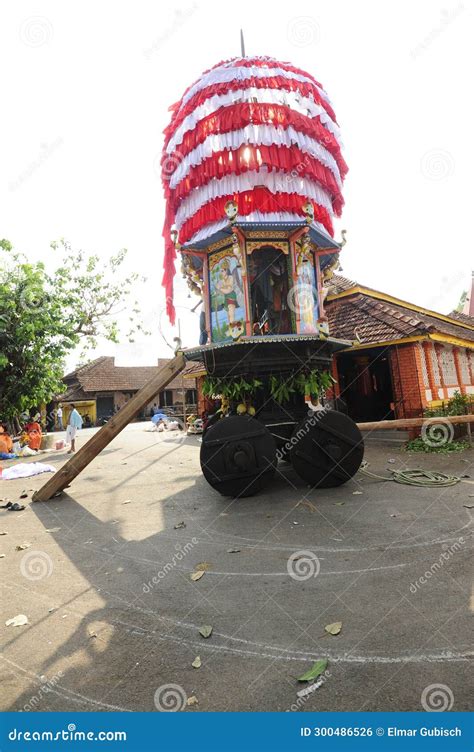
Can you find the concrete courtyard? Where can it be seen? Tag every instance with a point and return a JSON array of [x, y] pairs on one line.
[[114, 616]]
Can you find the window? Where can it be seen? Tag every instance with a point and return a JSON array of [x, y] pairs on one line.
[[166, 398]]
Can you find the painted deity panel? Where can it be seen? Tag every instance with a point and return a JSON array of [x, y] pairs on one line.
[[307, 291], [227, 295]]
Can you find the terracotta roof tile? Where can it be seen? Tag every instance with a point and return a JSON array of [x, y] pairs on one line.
[[102, 375]]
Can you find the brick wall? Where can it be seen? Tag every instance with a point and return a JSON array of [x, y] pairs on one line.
[[407, 380]]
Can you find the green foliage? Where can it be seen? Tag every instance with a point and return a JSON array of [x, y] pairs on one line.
[[44, 315], [420, 445], [459, 404], [231, 389], [312, 384]]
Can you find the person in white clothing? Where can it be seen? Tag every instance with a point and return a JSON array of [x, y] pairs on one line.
[[59, 418], [74, 422]]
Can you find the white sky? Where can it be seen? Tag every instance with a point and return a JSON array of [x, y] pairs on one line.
[[86, 87]]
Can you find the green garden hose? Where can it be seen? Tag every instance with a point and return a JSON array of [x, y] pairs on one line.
[[417, 477]]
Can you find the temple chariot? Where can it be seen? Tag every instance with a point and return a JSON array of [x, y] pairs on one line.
[[252, 171]]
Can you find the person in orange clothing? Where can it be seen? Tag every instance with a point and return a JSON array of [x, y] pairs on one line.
[[34, 433], [6, 442]]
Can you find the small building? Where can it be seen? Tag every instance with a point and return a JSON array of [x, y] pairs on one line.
[[405, 358], [100, 388]]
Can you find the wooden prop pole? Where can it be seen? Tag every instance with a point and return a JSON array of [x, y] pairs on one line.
[[112, 428], [379, 425]]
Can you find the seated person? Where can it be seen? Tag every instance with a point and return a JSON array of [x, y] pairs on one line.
[[33, 432], [6, 443]]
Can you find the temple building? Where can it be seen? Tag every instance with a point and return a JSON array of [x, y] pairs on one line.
[[404, 358]]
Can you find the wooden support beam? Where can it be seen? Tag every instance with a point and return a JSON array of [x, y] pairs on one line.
[[384, 425], [112, 428]]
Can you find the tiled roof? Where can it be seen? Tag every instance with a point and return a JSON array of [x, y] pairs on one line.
[[462, 317], [102, 375], [363, 318]]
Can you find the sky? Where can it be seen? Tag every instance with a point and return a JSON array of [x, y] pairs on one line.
[[86, 91]]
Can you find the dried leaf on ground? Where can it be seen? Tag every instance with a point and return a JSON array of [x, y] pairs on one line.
[[197, 576], [357, 493], [233, 550], [334, 628], [52, 530], [193, 700], [315, 671], [179, 525], [203, 566], [17, 621], [2, 556], [205, 630], [197, 662], [127, 501], [22, 546], [3, 532]]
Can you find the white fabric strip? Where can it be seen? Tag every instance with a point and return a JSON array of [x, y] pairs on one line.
[[256, 135], [295, 101], [225, 75], [276, 182]]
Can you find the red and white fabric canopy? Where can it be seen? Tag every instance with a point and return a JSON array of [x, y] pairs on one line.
[[257, 131]]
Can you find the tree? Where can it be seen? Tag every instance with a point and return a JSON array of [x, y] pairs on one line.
[[44, 315], [462, 300]]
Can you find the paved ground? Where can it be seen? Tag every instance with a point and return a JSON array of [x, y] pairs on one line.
[[100, 638]]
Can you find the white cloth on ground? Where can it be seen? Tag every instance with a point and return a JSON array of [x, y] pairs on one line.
[[25, 469]]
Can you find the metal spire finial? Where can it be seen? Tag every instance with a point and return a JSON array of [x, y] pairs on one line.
[[242, 43]]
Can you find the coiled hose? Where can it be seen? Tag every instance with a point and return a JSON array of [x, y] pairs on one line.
[[416, 477]]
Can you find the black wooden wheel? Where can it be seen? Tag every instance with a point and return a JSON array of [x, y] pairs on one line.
[[327, 449], [238, 456]]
